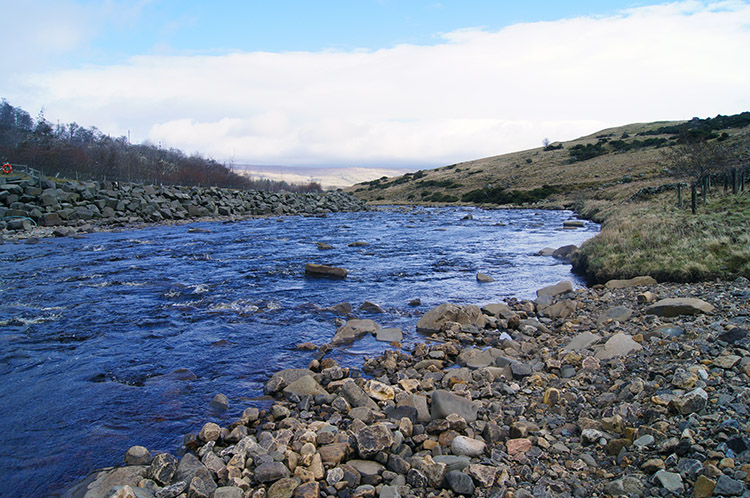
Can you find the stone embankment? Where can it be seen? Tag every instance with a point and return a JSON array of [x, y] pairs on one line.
[[631, 389], [46, 203]]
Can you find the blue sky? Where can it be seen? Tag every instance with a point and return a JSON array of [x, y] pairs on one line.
[[371, 83]]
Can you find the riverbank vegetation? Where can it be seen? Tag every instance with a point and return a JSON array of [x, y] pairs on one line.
[[75, 152], [671, 196]]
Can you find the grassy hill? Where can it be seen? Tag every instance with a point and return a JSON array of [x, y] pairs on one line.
[[612, 176]]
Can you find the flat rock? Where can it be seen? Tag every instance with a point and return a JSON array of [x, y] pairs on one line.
[[617, 314], [283, 378], [317, 270], [618, 345], [582, 341], [304, 386], [631, 282], [462, 445], [555, 290], [352, 330], [676, 306], [445, 403], [389, 335]]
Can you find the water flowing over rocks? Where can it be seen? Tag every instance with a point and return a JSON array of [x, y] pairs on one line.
[[570, 406], [75, 204]]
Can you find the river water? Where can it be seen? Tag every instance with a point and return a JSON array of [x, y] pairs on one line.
[[118, 339]]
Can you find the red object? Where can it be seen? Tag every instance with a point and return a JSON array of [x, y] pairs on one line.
[[7, 168]]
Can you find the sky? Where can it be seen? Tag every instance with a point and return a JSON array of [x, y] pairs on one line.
[[373, 83]]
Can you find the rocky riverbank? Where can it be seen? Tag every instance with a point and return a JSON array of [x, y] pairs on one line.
[[28, 203], [630, 389]]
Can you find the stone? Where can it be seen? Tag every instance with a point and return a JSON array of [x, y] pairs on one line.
[[389, 335], [307, 490], [371, 307], [561, 309], [317, 270], [433, 472], [272, 471], [356, 396], [433, 321], [283, 378], [484, 278], [671, 481], [484, 475], [378, 391], [671, 307], [389, 492], [228, 492], [369, 471], [138, 455], [210, 432], [726, 486], [518, 446], [460, 483], [173, 490], [163, 467], [283, 488], [201, 487], [625, 486], [582, 341], [704, 487], [462, 445], [334, 454], [364, 491], [726, 361], [305, 386], [444, 403], [617, 314], [618, 345], [373, 439], [556, 290], [573, 224], [565, 252], [352, 330], [632, 282], [101, 483], [220, 402], [690, 402], [188, 467]]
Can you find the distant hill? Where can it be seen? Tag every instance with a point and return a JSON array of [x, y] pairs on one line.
[[328, 178], [610, 165]]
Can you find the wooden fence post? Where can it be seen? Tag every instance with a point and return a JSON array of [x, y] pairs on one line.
[[693, 197], [679, 195]]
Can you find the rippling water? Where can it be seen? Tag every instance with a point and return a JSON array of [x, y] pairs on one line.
[[116, 339]]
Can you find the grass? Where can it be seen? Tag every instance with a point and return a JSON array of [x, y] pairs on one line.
[[656, 238]]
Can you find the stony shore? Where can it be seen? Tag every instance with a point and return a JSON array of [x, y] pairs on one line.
[[42, 208], [630, 389]]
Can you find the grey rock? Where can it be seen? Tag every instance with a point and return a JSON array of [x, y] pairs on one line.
[[460, 483], [445, 403], [679, 306], [162, 468], [726, 486], [433, 321], [618, 345], [556, 289], [373, 439], [352, 330], [389, 335], [671, 481], [269, 472]]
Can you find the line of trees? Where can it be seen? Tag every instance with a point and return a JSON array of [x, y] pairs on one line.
[[705, 161], [73, 151]]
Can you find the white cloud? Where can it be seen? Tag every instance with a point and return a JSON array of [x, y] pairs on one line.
[[476, 93]]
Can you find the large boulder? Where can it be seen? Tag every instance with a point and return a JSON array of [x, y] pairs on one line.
[[677, 306], [433, 321], [353, 330]]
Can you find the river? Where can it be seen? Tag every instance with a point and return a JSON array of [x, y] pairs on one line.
[[123, 338]]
